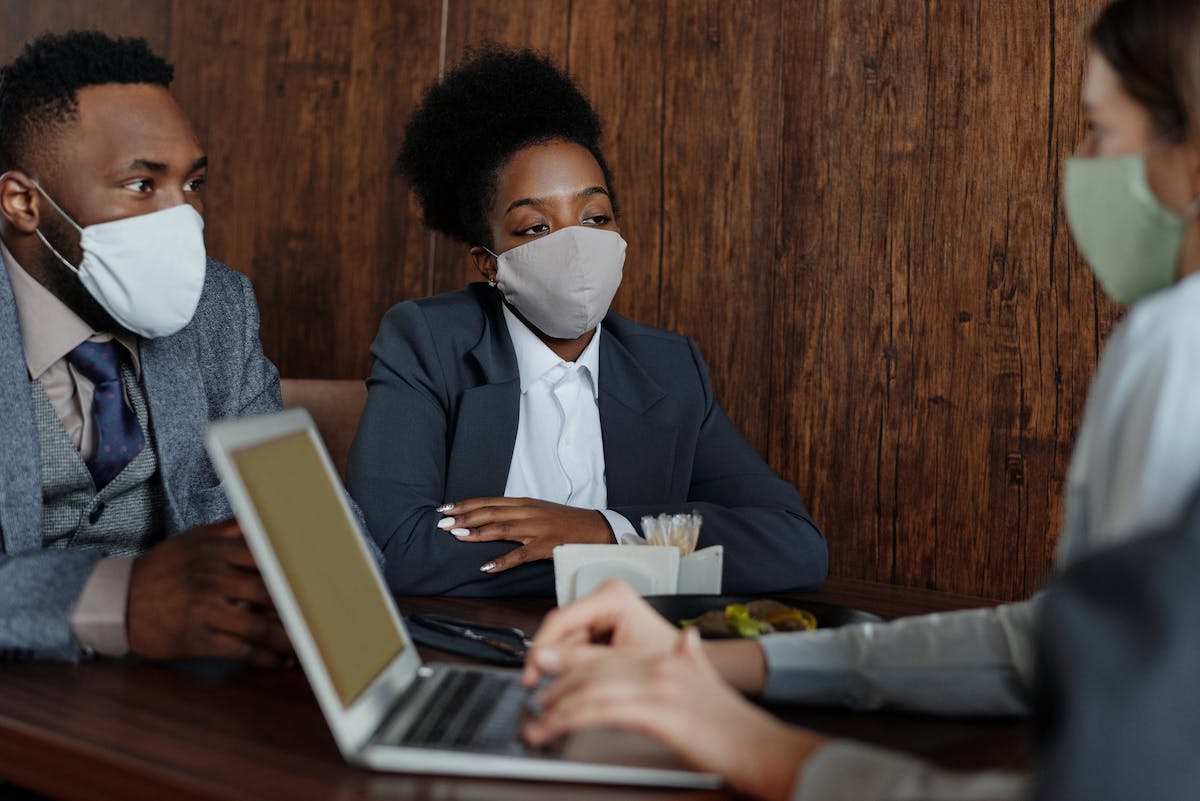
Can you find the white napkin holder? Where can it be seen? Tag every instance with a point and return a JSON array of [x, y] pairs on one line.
[[648, 569], [700, 571]]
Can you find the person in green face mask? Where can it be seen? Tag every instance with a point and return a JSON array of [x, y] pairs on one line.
[[1131, 195], [1132, 192]]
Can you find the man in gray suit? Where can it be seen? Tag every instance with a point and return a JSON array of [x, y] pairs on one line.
[[119, 341]]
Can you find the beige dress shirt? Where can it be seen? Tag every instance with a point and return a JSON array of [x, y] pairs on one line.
[[49, 331]]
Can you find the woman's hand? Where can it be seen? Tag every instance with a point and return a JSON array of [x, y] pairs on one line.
[[616, 616], [613, 615], [678, 698], [538, 525]]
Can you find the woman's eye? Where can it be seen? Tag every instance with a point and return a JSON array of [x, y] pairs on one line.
[[533, 230], [195, 184], [597, 219], [141, 185]]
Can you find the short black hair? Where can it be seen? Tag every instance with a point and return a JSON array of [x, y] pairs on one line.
[[467, 127], [37, 89]]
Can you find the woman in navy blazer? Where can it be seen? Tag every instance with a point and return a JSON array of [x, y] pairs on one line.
[[504, 155]]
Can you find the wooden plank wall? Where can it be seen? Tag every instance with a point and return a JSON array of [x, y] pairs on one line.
[[852, 205]]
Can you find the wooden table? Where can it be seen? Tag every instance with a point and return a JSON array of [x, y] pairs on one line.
[[132, 730]]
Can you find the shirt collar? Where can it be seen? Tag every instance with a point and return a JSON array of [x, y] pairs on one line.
[[535, 359], [49, 329]]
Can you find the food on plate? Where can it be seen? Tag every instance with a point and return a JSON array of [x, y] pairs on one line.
[[752, 619]]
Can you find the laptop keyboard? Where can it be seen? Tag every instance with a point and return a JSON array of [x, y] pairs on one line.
[[471, 710]]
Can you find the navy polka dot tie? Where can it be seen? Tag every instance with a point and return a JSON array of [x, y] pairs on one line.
[[118, 435]]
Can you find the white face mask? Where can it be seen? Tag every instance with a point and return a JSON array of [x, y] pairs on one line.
[[146, 271], [563, 282]]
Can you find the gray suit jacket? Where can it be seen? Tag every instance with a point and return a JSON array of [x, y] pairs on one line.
[[214, 368], [1119, 715], [440, 424]]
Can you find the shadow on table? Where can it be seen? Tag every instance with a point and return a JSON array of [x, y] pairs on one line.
[[379, 787], [11, 792]]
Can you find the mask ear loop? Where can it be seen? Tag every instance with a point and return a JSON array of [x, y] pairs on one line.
[[66, 217], [492, 280]]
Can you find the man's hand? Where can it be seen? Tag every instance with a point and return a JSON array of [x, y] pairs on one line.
[[537, 525], [199, 594]]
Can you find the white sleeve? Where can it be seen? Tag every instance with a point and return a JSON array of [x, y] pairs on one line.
[[973, 662], [623, 531], [847, 771], [1137, 455]]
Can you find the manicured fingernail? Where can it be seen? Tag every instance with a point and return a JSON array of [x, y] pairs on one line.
[[461, 532], [445, 507], [446, 523], [488, 568]]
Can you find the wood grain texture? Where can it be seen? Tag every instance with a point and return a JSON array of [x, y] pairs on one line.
[[721, 195], [302, 105], [852, 206], [942, 345]]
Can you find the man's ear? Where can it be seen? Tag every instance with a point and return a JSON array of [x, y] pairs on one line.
[[19, 201], [484, 263]]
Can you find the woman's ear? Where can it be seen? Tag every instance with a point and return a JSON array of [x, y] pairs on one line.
[[19, 201], [485, 263], [1193, 169]]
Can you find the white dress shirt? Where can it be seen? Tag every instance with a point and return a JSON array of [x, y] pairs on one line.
[[1135, 464], [559, 451]]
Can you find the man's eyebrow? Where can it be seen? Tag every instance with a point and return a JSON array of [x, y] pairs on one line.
[[143, 164], [149, 165]]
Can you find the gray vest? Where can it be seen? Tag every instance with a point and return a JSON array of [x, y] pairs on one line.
[[123, 518]]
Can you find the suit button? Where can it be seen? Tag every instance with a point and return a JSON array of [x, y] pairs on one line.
[[95, 515]]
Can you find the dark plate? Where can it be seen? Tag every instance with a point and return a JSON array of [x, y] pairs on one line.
[[685, 607]]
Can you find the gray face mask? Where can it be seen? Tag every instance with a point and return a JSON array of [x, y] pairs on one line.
[[563, 282]]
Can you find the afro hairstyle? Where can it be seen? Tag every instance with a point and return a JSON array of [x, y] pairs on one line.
[[467, 127], [37, 89]]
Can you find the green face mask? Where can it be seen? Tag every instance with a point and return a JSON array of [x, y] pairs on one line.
[[1130, 239]]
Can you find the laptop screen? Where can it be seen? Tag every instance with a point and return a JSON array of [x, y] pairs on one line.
[[314, 541]]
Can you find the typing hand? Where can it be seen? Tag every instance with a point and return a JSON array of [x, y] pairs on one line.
[[538, 525], [678, 698], [614, 615], [199, 594]]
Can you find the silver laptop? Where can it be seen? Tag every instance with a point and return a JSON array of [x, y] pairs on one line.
[[386, 709]]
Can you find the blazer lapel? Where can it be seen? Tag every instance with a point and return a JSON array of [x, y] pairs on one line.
[[20, 465], [178, 414], [486, 425], [639, 449]]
